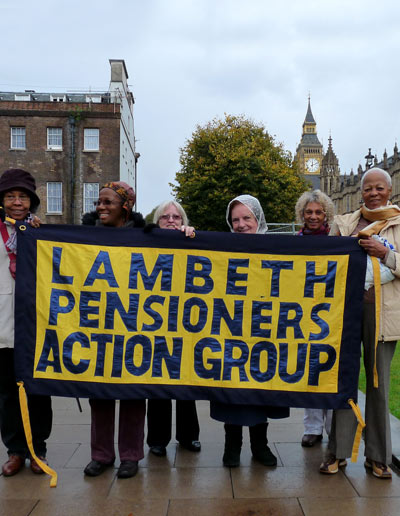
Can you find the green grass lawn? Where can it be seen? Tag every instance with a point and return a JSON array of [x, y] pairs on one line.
[[394, 398]]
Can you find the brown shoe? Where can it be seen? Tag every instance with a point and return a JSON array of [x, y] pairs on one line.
[[35, 466], [331, 465], [379, 470], [13, 465], [310, 439]]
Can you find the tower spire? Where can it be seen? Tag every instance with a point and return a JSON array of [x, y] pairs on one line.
[[309, 116]]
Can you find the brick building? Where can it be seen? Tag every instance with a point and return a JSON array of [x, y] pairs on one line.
[[71, 143]]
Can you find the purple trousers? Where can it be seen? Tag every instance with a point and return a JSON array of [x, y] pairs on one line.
[[130, 432]]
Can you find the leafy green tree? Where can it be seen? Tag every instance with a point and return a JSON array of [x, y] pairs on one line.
[[149, 217], [234, 156]]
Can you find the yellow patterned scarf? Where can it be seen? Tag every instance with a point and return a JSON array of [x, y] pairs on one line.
[[378, 218]]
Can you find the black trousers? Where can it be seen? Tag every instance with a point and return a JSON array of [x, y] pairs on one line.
[[159, 422], [40, 412]]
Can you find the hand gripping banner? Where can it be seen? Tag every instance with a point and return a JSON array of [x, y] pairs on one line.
[[255, 319]]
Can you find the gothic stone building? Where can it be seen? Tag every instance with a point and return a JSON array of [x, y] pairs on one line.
[[72, 143], [323, 172]]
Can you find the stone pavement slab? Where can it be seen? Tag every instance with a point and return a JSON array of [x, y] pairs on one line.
[[197, 484]]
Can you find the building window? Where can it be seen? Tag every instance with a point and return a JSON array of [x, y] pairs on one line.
[[91, 139], [58, 98], [54, 197], [18, 138], [22, 96], [90, 195], [54, 138], [96, 99]]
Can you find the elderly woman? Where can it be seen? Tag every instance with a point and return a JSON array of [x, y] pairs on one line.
[[171, 215], [18, 196], [377, 216], [315, 211], [244, 214], [114, 210]]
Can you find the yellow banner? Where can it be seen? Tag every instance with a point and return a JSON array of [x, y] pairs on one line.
[[189, 317]]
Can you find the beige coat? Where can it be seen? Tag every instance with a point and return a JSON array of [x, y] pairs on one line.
[[7, 286], [390, 297]]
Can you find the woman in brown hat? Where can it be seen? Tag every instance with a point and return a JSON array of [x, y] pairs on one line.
[[19, 200]]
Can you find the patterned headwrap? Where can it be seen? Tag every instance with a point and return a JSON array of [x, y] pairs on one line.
[[126, 192]]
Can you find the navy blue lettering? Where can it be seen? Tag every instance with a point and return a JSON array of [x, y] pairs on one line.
[[163, 265], [257, 352], [230, 362], [192, 272], [213, 372], [187, 315], [234, 323], [114, 304], [312, 278], [57, 277], [85, 310], [257, 319], [56, 307], [68, 351], [316, 366], [157, 319], [173, 313], [172, 360], [276, 266], [50, 345], [233, 276], [284, 322], [144, 342], [102, 259], [283, 363], [118, 356], [320, 322], [102, 340]]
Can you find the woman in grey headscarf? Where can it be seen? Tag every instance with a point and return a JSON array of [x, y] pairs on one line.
[[245, 215]]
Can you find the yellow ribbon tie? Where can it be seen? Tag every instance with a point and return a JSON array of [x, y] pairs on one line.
[[360, 426], [28, 434], [377, 285]]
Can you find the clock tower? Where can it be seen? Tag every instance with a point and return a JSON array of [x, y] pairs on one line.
[[309, 152]]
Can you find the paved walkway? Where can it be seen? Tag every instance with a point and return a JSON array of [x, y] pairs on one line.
[[185, 483]]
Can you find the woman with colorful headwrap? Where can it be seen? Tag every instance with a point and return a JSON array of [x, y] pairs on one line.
[[244, 214], [114, 209], [375, 224]]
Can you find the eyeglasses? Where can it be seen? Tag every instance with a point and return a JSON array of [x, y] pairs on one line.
[[106, 202], [171, 216], [12, 198]]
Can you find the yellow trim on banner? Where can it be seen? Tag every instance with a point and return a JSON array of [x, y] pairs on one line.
[[360, 426], [377, 285], [28, 434]]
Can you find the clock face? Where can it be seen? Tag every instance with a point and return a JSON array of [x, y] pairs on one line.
[[312, 165]]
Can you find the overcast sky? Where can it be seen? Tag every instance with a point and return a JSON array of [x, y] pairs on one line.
[[192, 60]]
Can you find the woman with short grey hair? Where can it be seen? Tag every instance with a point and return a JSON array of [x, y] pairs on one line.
[[159, 214], [318, 197], [315, 211], [171, 215]]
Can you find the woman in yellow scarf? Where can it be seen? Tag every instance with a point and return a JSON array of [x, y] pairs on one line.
[[377, 216]]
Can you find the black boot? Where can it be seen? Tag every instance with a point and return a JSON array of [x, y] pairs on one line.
[[233, 445], [259, 445]]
